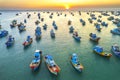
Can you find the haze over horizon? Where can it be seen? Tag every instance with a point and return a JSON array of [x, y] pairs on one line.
[[56, 4]]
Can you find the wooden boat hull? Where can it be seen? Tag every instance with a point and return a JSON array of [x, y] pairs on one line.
[[96, 39], [54, 70], [79, 68], [103, 54], [27, 44], [117, 53], [34, 67]]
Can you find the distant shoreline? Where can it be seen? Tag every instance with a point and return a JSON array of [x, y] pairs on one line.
[[75, 9]]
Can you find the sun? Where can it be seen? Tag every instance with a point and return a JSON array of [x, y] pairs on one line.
[[67, 6]]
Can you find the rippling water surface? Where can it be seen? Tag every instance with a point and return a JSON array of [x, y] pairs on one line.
[[14, 62]]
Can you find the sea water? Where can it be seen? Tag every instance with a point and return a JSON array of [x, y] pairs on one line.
[[14, 61]]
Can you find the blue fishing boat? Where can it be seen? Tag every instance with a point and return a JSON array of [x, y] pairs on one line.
[[37, 22], [99, 50], [98, 27], [54, 25], [21, 27], [75, 62], [116, 31], [34, 65], [83, 22], [25, 21], [104, 24], [116, 50], [76, 37], [93, 37], [71, 29], [45, 26], [10, 41], [14, 24], [51, 65], [52, 33], [28, 41], [3, 33], [38, 33]]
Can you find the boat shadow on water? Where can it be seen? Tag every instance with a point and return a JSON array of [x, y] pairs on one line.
[[26, 47], [93, 43], [10, 47], [38, 40]]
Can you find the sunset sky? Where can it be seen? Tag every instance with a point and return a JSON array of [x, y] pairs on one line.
[[66, 4]]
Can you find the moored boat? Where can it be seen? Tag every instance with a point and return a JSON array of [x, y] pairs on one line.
[[14, 24], [28, 41], [75, 62], [10, 41], [51, 65], [38, 33], [93, 37], [99, 50], [52, 33], [3, 33], [116, 31], [45, 26], [54, 25], [98, 27], [34, 65], [71, 29], [21, 27], [76, 37], [116, 50]]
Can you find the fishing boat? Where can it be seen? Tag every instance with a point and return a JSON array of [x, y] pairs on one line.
[[99, 50], [25, 21], [38, 33], [28, 41], [21, 27], [52, 33], [75, 62], [3, 33], [116, 50], [54, 25], [10, 41], [34, 65], [116, 31], [98, 27], [37, 22], [51, 65], [45, 26], [69, 22], [83, 22], [104, 24], [76, 37], [14, 24], [93, 37], [71, 29]]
